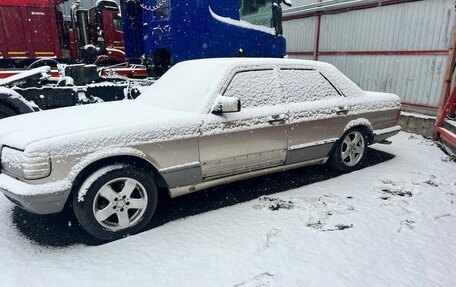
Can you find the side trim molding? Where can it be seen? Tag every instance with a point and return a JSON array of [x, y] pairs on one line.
[[178, 191], [300, 146], [182, 175]]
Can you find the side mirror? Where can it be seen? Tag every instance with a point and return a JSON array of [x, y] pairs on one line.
[[224, 105]]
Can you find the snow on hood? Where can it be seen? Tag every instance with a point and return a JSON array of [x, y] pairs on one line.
[[89, 127]]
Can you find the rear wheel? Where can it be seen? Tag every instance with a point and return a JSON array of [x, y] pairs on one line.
[[115, 201], [350, 151]]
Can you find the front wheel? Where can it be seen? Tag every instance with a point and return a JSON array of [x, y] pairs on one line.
[[115, 201], [350, 151]]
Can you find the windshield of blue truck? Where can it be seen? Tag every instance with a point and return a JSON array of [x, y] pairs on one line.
[[186, 87], [258, 12]]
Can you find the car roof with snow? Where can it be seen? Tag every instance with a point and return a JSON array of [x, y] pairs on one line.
[[231, 62], [331, 73]]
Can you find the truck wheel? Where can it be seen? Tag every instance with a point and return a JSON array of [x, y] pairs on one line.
[[350, 151], [115, 201], [6, 111]]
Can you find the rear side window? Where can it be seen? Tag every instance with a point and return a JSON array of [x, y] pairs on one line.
[[305, 85], [255, 88]]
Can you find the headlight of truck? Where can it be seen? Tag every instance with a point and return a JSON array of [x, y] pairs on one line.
[[25, 165]]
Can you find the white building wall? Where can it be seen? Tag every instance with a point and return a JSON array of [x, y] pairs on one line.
[[358, 42]]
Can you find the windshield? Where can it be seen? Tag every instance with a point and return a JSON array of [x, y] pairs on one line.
[[186, 87], [257, 12]]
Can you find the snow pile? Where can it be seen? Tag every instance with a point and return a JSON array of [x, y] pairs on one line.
[[391, 224]]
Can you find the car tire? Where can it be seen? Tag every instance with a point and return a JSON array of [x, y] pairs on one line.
[[349, 153], [115, 201]]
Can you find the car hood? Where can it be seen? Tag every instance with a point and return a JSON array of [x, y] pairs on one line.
[[80, 122]]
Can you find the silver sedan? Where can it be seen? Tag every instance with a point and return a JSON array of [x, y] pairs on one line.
[[204, 123]]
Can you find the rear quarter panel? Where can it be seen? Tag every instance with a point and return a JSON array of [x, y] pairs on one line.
[[379, 109]]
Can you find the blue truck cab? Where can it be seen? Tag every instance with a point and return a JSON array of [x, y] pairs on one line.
[[165, 32]]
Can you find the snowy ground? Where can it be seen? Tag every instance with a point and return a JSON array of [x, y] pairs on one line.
[[390, 224]]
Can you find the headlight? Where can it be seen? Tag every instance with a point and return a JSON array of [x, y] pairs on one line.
[[23, 164]]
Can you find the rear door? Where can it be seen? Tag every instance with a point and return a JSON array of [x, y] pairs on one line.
[[252, 139], [318, 114]]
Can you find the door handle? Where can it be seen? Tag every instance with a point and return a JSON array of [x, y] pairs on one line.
[[342, 111], [277, 119]]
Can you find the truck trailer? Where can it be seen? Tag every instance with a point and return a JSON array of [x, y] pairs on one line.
[[33, 33]]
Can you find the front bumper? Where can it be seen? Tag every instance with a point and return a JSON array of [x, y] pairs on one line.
[[45, 198]]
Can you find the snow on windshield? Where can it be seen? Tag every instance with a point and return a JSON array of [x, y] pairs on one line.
[[186, 87]]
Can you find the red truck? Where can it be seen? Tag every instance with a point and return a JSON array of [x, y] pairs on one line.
[[33, 34], [35, 29]]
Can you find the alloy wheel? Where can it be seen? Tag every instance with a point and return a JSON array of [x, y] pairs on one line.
[[352, 149], [120, 204]]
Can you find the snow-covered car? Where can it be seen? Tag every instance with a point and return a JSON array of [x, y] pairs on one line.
[[204, 123]]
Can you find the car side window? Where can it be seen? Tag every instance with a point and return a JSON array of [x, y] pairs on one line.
[[255, 88], [305, 85]]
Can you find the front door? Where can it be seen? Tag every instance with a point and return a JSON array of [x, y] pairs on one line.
[[254, 138]]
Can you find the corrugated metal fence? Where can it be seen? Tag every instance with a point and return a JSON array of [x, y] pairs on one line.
[[390, 45]]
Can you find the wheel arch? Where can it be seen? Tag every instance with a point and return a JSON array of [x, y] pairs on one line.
[[360, 123], [335, 156], [117, 159]]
